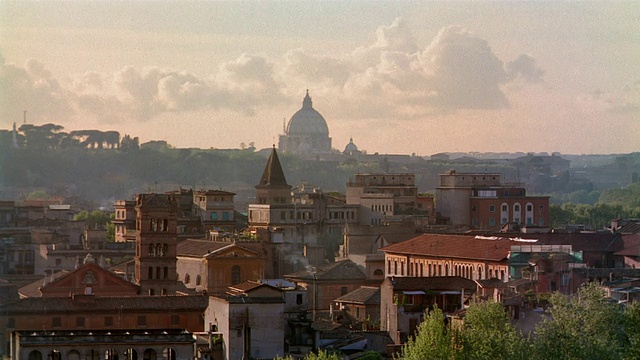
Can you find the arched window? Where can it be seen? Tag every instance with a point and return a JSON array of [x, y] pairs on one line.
[[150, 275], [73, 355], [158, 272], [131, 354], [152, 250], [198, 279], [378, 272], [90, 355], [169, 354], [187, 279], [480, 272], [35, 355], [446, 269], [150, 354], [111, 354], [165, 249], [166, 273], [235, 275]]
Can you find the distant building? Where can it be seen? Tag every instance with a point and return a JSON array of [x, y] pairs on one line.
[[481, 201], [156, 242], [388, 197], [429, 255], [250, 321], [213, 266], [298, 216], [307, 132], [403, 301]]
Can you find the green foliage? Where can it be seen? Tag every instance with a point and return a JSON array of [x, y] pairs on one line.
[[597, 216], [489, 334], [38, 195], [370, 355], [628, 197], [584, 326], [433, 339], [94, 218], [631, 328], [321, 355]]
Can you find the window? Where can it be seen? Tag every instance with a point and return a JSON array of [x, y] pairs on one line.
[[541, 222], [225, 215], [492, 208], [529, 207], [142, 320], [492, 222], [214, 215], [56, 321], [516, 207], [505, 207], [187, 279], [298, 299], [541, 208], [166, 272], [108, 321], [235, 275], [198, 279], [474, 208], [378, 272], [80, 321], [409, 299]]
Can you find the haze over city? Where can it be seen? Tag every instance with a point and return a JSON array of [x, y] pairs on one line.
[[399, 77]]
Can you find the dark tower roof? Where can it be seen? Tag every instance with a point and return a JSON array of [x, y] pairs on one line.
[[273, 176]]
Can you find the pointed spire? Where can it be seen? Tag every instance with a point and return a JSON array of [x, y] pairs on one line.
[[306, 102], [273, 174]]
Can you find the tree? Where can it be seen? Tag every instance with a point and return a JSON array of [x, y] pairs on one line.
[[489, 334], [94, 218], [433, 339], [585, 326]]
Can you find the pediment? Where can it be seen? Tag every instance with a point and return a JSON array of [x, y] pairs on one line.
[[233, 251]]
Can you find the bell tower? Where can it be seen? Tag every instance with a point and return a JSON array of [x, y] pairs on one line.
[[156, 241], [273, 188]]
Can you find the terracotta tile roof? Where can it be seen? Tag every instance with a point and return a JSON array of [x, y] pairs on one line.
[[590, 242], [453, 246], [101, 304], [33, 289], [340, 270], [631, 245], [631, 228], [362, 295], [492, 283], [431, 283], [199, 247], [245, 286]]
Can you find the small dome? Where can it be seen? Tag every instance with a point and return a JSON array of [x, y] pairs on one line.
[[351, 148], [307, 120]]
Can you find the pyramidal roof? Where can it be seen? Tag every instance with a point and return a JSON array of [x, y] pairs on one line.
[[273, 174]]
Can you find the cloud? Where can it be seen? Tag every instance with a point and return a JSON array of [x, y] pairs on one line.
[[525, 66], [463, 72], [31, 88], [392, 76]]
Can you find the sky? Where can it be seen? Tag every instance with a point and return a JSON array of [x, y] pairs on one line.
[[403, 77]]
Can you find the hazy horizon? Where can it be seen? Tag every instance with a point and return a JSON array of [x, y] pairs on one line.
[[398, 77]]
